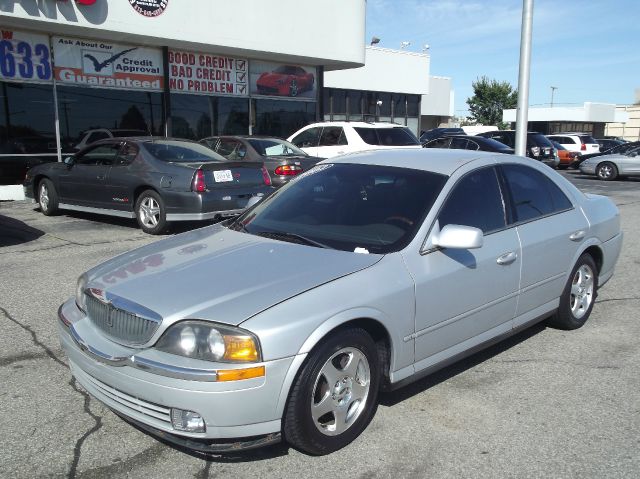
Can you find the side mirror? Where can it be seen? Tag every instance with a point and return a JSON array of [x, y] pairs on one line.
[[458, 237], [69, 160]]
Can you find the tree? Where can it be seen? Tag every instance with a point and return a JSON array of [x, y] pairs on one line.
[[489, 98]]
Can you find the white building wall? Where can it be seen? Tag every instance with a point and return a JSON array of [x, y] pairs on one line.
[[385, 70], [329, 33], [439, 100], [588, 113], [629, 130]]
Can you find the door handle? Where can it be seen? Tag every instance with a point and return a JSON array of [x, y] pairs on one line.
[[578, 235], [507, 258], [100, 177]]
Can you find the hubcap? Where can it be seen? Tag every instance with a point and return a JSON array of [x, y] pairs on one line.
[[44, 197], [340, 391], [605, 171], [149, 213], [581, 291]]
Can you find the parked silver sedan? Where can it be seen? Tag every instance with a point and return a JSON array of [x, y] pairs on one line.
[[610, 167], [365, 273]]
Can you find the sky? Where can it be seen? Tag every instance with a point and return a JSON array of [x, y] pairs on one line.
[[589, 49]]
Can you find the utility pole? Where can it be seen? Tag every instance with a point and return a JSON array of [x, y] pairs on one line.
[[523, 77], [553, 89]]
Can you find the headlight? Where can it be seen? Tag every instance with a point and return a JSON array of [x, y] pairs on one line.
[[210, 342], [81, 298]]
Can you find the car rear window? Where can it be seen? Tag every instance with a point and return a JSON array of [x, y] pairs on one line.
[[181, 152], [387, 136], [538, 139], [588, 139]]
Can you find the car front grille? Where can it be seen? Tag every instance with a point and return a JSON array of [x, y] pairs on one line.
[[120, 325]]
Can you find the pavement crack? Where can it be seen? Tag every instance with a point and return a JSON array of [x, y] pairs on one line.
[[608, 300], [125, 467], [77, 449], [34, 338]]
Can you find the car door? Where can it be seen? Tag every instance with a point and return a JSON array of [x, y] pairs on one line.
[[121, 180], [465, 296], [83, 183], [550, 229]]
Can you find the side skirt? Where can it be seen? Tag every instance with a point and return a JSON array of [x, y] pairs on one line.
[[100, 211]]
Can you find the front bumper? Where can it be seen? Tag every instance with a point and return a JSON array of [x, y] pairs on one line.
[[237, 414], [587, 168]]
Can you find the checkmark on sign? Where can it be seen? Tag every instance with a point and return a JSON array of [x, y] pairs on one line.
[[241, 65], [241, 89], [241, 77]]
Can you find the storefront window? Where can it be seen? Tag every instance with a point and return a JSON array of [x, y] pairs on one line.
[[413, 106], [282, 118], [84, 109], [27, 135], [355, 105], [197, 116], [399, 107]]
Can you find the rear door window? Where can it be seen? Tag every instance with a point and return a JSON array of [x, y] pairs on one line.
[[387, 136], [332, 136], [532, 194], [587, 139], [439, 143], [462, 144]]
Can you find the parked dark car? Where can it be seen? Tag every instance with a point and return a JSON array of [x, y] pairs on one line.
[[622, 149], [538, 146], [155, 180], [468, 142], [283, 160], [436, 132], [606, 143]]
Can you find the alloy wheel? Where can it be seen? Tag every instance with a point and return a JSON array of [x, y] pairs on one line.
[[44, 197], [340, 391], [582, 288], [149, 212]]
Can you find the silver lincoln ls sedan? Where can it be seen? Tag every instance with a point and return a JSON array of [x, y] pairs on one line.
[[364, 273]]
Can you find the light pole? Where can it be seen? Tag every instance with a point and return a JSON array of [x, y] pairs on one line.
[[522, 112], [553, 89]]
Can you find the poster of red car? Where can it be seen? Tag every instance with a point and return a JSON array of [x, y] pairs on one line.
[[273, 79]]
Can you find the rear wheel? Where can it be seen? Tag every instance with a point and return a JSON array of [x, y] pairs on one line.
[[47, 197], [151, 213], [607, 171], [335, 394], [578, 296]]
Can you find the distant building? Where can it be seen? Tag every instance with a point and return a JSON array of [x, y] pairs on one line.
[[629, 130], [590, 118]]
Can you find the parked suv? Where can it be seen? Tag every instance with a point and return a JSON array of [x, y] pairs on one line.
[[332, 138], [581, 143], [538, 146]]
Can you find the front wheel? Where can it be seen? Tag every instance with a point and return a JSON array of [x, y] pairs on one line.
[[47, 197], [607, 171], [151, 213], [578, 296], [335, 394]]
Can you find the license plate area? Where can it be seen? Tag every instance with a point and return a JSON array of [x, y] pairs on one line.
[[222, 176]]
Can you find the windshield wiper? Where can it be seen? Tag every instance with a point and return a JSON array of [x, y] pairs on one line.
[[284, 236]]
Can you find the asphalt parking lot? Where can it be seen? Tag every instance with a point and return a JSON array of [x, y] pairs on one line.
[[545, 403]]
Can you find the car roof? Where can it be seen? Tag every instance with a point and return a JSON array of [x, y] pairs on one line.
[[358, 124], [443, 161]]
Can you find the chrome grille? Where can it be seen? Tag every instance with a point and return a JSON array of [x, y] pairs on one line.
[[120, 325]]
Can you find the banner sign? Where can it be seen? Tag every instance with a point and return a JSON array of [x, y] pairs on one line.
[[276, 79], [149, 8], [25, 57], [206, 73], [107, 65]]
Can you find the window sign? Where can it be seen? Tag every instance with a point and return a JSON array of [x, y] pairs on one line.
[[25, 57], [107, 65], [283, 80], [207, 74]]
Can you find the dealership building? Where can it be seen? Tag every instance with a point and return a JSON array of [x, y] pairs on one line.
[[73, 72]]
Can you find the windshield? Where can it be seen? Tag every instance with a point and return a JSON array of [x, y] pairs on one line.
[[350, 207], [394, 136], [274, 147], [181, 151]]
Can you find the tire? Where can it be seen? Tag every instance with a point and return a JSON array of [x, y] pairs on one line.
[[562, 167], [47, 197], [607, 171], [320, 418], [151, 212], [578, 296]]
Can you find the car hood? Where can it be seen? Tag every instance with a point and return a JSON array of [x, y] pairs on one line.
[[222, 275], [273, 77]]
